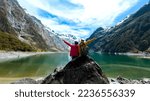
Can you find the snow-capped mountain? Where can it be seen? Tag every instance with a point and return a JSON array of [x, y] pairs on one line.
[[27, 28]]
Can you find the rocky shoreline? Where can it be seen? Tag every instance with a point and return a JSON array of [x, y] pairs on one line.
[[9, 55], [139, 55], [122, 80], [118, 80]]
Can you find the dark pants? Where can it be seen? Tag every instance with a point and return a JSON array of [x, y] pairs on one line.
[[73, 57]]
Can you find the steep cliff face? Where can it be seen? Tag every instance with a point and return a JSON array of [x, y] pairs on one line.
[[131, 35], [14, 20]]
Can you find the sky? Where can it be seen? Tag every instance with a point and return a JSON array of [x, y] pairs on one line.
[[80, 17]]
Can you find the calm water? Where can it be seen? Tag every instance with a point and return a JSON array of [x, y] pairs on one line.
[[42, 65]]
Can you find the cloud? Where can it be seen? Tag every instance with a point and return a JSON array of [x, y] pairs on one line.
[[77, 17]]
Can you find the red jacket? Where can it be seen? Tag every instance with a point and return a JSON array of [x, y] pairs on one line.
[[74, 51]]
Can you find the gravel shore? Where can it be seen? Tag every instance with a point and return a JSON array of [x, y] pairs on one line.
[[4, 55]]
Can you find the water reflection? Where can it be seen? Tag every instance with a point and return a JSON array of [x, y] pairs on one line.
[[42, 65]]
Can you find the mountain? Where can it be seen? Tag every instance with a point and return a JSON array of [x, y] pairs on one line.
[[130, 35], [26, 29], [67, 36]]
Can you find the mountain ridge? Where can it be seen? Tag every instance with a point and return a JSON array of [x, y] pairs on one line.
[[28, 29], [132, 35]]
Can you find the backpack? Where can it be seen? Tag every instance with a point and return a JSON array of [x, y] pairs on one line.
[[83, 50]]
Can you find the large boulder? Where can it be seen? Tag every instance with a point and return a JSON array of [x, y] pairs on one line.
[[82, 70]]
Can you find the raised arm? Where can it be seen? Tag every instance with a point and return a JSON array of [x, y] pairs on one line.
[[67, 43], [89, 41]]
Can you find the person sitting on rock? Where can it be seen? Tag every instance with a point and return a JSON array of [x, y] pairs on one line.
[[74, 51], [83, 48]]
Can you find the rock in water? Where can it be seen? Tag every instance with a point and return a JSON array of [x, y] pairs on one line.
[[82, 70]]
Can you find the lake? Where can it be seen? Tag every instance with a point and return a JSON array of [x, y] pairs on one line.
[[42, 65]]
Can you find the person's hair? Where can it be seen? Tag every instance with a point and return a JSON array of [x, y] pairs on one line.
[[82, 40], [75, 42]]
